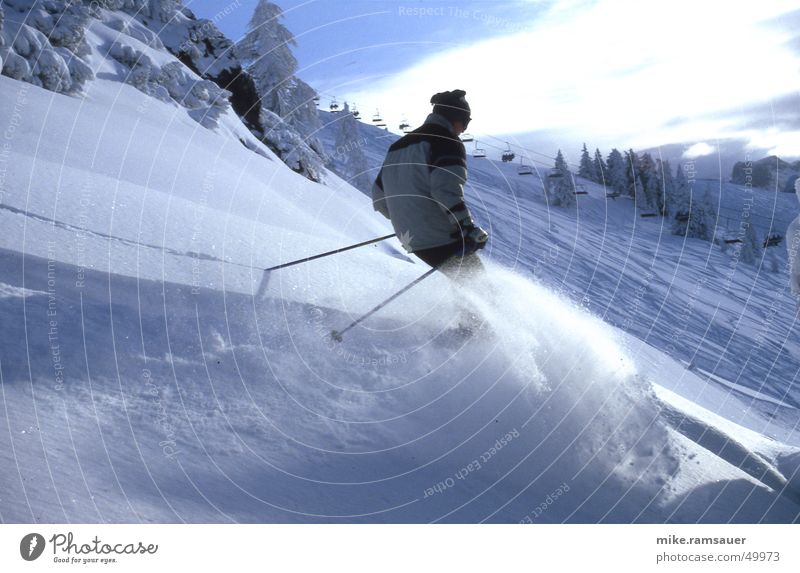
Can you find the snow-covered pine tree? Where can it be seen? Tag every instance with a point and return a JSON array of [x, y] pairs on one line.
[[631, 172], [600, 168], [640, 197], [710, 211], [164, 10], [750, 248], [703, 220], [561, 163], [289, 146], [679, 203], [45, 46], [667, 185], [698, 218], [288, 112], [651, 184], [348, 158], [304, 117], [266, 54], [586, 167], [617, 173], [559, 187], [265, 50]]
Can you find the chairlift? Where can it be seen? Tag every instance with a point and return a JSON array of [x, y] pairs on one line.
[[478, 152], [354, 111], [316, 99], [773, 240], [466, 137], [378, 120], [580, 189], [508, 155], [524, 169], [334, 106], [405, 127]]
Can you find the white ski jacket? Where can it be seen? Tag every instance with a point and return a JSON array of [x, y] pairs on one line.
[[420, 186]]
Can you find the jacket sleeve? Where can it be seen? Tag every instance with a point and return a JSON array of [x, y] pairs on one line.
[[448, 165], [379, 197]]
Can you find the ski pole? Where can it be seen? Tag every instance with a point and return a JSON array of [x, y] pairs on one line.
[[343, 249], [337, 334]]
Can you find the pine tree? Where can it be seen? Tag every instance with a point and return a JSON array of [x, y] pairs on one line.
[[696, 217], [266, 52], [750, 248], [561, 163], [304, 117], [640, 197], [586, 168], [679, 203], [349, 158], [631, 172], [707, 218], [164, 10], [617, 173], [559, 187], [667, 185], [600, 168], [651, 183]]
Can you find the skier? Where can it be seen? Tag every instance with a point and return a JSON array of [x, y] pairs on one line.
[[420, 189]]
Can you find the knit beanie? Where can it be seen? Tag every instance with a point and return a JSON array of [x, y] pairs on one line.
[[451, 105]]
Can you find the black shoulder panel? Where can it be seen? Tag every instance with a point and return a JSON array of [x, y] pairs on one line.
[[446, 149]]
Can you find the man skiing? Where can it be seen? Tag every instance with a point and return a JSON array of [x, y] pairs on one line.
[[420, 189]]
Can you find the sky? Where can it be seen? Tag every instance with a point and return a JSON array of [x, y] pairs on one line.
[[700, 77]]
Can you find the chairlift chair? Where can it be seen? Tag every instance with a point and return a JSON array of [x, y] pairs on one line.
[[580, 189], [405, 127], [478, 152], [334, 105], [378, 120], [466, 137], [524, 169], [354, 112], [773, 240], [508, 155]]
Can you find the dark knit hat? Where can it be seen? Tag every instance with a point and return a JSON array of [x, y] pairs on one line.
[[452, 105]]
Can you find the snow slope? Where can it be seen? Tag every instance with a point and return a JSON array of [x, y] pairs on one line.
[[692, 299], [151, 373]]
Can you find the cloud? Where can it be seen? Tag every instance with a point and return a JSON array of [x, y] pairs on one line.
[[775, 142], [698, 150], [641, 73]]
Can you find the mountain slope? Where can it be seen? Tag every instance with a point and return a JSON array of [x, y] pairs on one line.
[[151, 371]]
